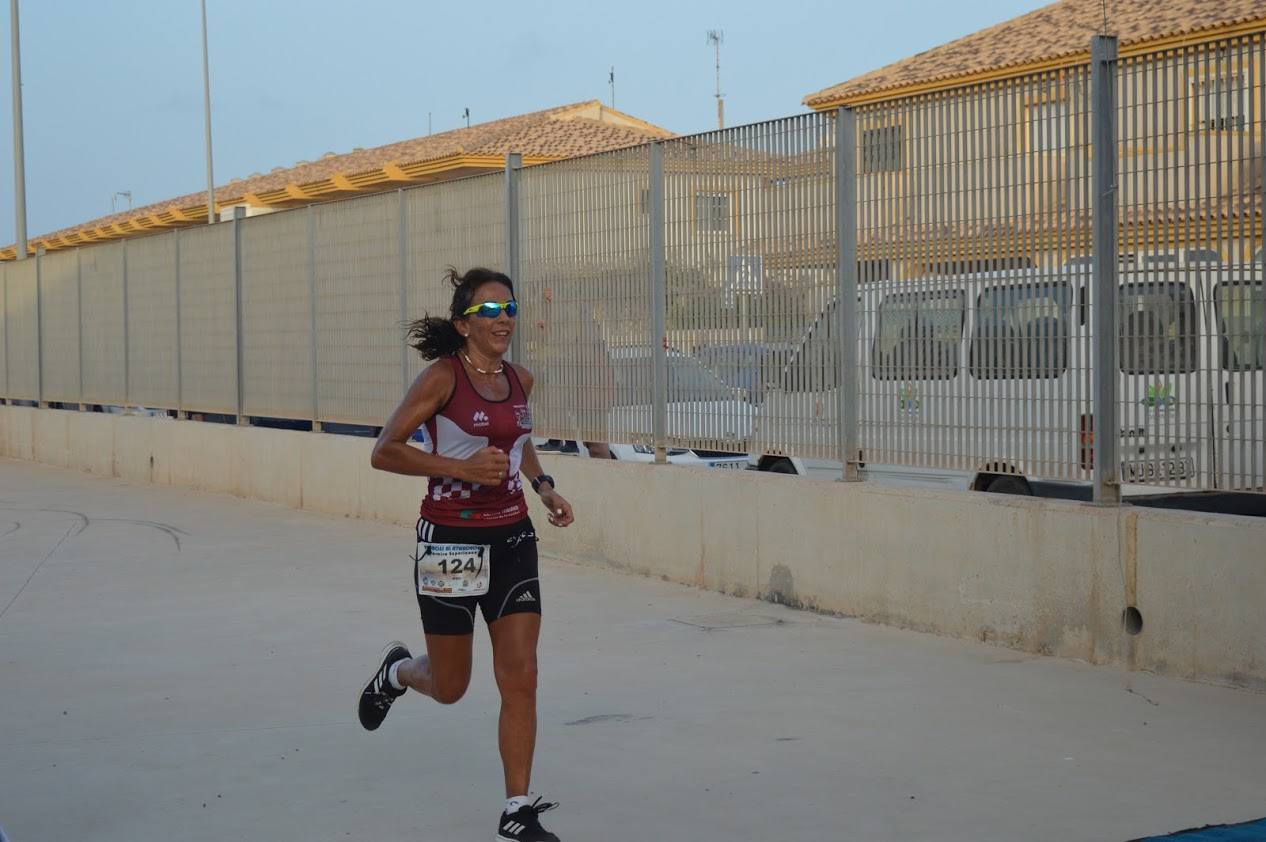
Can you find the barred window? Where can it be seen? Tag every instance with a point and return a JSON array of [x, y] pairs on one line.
[[712, 212], [881, 149]]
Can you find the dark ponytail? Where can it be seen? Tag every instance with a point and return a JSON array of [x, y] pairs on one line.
[[434, 337]]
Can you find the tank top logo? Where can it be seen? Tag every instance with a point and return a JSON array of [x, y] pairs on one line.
[[523, 416], [479, 419]]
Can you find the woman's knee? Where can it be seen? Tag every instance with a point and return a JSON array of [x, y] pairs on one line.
[[516, 675], [449, 690]]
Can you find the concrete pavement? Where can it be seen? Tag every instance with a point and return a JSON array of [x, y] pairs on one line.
[[182, 665]]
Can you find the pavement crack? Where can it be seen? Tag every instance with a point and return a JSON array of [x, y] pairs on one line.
[[1141, 696], [49, 555]]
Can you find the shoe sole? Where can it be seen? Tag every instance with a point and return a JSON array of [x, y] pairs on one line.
[[381, 657]]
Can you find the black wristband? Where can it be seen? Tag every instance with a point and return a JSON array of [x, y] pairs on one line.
[[536, 483]]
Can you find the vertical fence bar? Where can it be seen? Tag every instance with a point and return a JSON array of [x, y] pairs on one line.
[[312, 314], [846, 285], [39, 325], [1103, 85], [238, 214], [4, 279], [659, 302], [402, 245], [180, 316], [514, 162], [79, 301], [127, 366]]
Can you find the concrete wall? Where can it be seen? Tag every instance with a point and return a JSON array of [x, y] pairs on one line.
[[1040, 576]]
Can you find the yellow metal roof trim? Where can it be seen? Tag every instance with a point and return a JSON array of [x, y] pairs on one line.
[[1076, 59], [394, 173]]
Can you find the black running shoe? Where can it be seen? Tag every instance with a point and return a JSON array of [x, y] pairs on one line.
[[524, 824], [376, 698], [550, 446]]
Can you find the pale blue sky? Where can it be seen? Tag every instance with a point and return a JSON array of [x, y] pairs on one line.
[[113, 88]]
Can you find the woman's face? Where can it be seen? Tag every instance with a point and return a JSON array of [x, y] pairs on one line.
[[490, 337]]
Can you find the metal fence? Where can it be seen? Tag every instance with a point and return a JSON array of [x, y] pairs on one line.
[[977, 283]]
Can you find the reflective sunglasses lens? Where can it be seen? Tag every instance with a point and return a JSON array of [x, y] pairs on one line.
[[512, 308]]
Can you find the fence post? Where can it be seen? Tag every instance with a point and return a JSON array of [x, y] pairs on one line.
[[180, 315], [659, 303], [127, 349], [847, 310], [39, 327], [1103, 86], [79, 299], [4, 279], [312, 307], [514, 162], [238, 214], [402, 238]]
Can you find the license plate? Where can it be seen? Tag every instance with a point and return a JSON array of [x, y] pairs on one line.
[[453, 569], [733, 465], [1158, 470]]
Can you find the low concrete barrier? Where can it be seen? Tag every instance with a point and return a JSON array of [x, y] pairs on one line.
[[1041, 576]]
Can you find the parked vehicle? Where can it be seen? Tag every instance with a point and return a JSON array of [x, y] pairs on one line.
[[996, 367]]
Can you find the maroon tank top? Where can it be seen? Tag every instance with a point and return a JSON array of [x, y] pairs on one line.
[[466, 424]]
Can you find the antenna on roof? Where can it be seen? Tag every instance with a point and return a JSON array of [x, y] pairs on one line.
[[715, 38], [611, 81], [126, 194], [428, 122], [466, 114]]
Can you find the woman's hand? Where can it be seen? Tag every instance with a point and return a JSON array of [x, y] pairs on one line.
[[486, 467], [560, 513]]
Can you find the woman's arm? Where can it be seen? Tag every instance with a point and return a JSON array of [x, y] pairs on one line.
[[427, 396], [560, 512]]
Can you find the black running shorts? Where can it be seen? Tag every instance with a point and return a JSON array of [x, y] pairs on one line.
[[514, 586]]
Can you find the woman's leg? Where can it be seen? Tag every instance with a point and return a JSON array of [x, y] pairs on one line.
[[514, 664], [443, 673]]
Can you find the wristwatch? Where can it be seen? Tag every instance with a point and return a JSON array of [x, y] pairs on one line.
[[536, 483]]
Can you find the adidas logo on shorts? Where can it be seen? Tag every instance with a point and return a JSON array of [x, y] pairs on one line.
[[526, 597]]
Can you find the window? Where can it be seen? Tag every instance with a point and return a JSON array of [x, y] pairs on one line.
[[1021, 332], [1241, 308], [1048, 126], [873, 271], [1156, 328], [814, 365], [1222, 103], [881, 149], [712, 212], [918, 336], [689, 380]]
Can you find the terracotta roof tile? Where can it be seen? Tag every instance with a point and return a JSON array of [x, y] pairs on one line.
[[567, 131], [1060, 30]]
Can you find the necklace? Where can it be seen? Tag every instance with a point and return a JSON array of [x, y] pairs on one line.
[[500, 368]]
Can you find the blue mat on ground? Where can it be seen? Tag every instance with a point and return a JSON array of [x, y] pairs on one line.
[[1245, 832]]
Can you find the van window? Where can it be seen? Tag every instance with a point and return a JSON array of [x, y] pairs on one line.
[[1157, 328], [917, 336], [1021, 332], [814, 365], [1241, 308]]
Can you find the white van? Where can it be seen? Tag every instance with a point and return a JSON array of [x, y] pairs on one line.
[[983, 381]]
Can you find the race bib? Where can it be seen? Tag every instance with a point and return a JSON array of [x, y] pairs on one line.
[[453, 569]]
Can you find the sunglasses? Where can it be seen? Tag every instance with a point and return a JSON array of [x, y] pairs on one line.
[[492, 309]]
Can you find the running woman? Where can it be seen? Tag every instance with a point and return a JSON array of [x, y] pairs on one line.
[[476, 546]]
